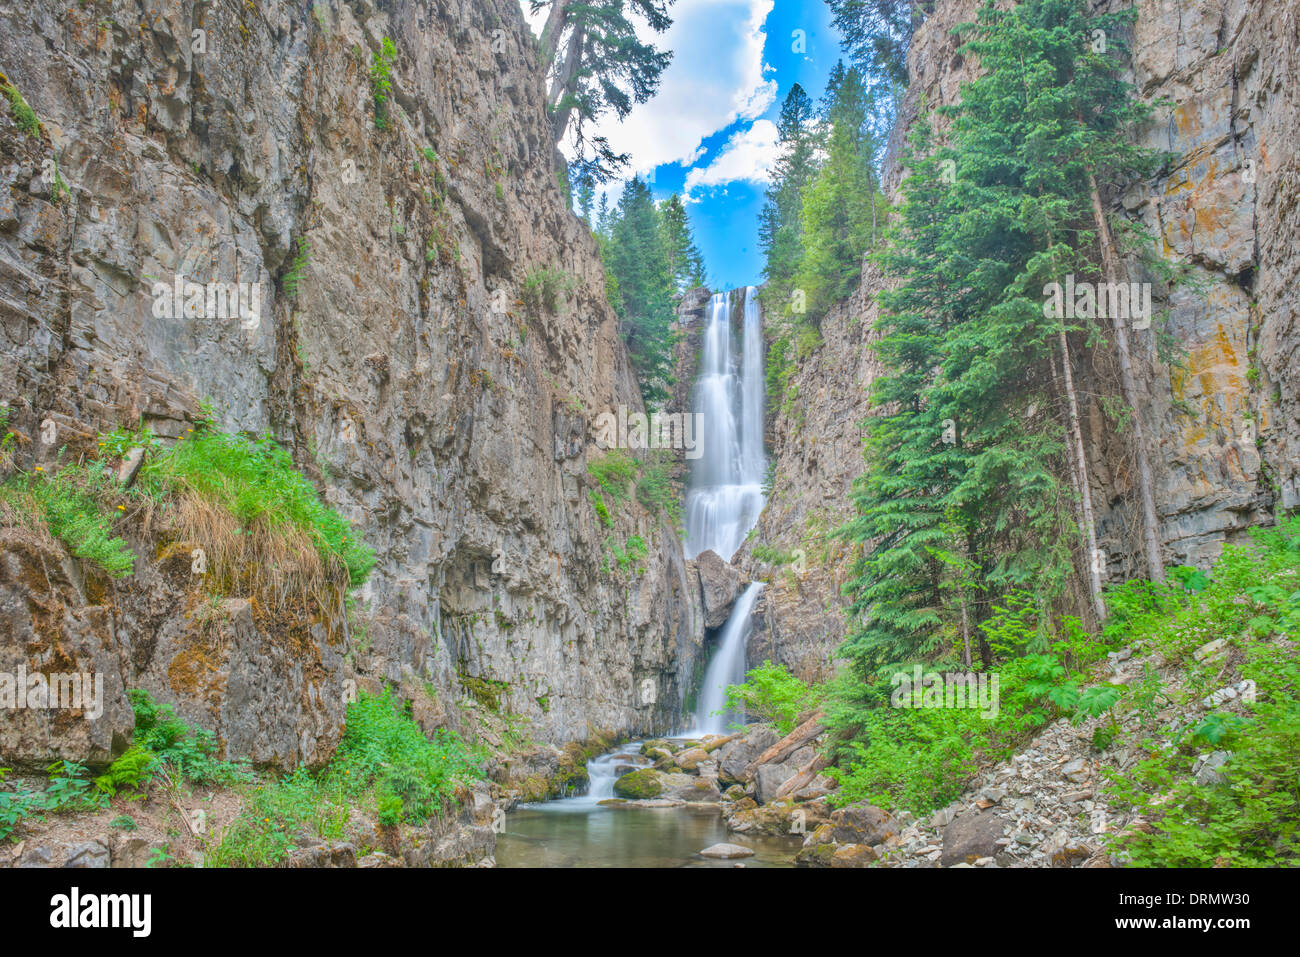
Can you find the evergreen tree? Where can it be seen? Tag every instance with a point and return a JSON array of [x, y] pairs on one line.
[[650, 259], [965, 455], [685, 262], [598, 64], [839, 210], [780, 224]]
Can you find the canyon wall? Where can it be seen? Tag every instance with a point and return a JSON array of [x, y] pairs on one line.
[[1222, 415], [434, 342]]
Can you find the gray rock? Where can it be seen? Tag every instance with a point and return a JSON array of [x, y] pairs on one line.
[[719, 587], [1076, 771], [87, 854], [733, 758], [1206, 768], [727, 852], [769, 778], [862, 824], [971, 836], [39, 856]]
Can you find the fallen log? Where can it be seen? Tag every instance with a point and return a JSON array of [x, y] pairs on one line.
[[787, 745], [807, 774]]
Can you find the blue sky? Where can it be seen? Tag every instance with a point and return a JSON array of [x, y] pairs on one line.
[[710, 132]]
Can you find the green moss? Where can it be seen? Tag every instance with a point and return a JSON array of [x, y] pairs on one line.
[[486, 691], [22, 113], [638, 785]]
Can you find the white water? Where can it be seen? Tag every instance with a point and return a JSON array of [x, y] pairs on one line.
[[601, 775], [727, 667], [726, 489]]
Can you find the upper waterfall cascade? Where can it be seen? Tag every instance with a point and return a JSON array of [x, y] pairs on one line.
[[725, 495], [726, 486]]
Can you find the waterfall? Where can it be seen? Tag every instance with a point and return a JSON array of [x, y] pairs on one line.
[[727, 667], [726, 489]]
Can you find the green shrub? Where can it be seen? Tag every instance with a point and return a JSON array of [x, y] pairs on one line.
[[384, 761], [544, 287], [772, 693], [381, 83], [190, 751], [292, 280], [133, 770], [613, 472], [602, 510], [23, 114], [657, 490]]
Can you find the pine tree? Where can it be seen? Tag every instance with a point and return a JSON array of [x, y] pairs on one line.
[[839, 215], [650, 259], [877, 34], [598, 64], [685, 262], [780, 222], [967, 451]]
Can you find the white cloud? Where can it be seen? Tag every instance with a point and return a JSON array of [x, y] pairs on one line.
[[748, 156], [716, 77]]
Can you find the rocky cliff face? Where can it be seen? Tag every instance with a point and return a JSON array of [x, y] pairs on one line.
[[432, 345], [1225, 420]]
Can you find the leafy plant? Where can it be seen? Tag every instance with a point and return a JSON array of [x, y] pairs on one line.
[[381, 83], [772, 693], [68, 502], [23, 114], [292, 280]]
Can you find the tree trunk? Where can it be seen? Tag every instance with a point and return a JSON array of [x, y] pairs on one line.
[[565, 76], [1150, 522], [792, 742], [965, 628], [549, 44], [1079, 471]]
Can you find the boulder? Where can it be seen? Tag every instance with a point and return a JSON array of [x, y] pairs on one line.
[[853, 855], [782, 819], [768, 780], [971, 836], [727, 852], [815, 855], [1207, 768], [863, 824], [87, 854], [636, 785], [735, 756], [719, 587], [689, 759], [328, 854]]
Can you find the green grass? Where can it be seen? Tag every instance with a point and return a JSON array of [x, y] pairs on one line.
[[384, 760], [70, 504], [22, 113], [256, 481]]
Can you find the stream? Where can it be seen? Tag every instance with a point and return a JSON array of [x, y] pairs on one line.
[[581, 832]]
